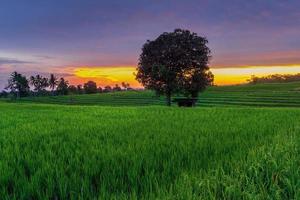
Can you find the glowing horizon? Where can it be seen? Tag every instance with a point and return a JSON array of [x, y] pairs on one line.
[[108, 75], [239, 75], [111, 75]]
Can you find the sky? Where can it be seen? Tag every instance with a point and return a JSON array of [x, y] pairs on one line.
[[101, 40]]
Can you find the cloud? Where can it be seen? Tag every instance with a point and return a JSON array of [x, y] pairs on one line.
[[44, 57], [4, 61], [245, 59], [47, 74]]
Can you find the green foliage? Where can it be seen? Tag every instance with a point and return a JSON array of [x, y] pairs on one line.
[[81, 152], [175, 62], [3, 94]]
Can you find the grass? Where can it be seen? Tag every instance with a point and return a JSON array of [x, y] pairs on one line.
[[265, 95], [152, 152], [62, 152]]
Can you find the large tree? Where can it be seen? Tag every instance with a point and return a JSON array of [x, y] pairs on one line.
[[90, 87], [18, 84], [176, 62]]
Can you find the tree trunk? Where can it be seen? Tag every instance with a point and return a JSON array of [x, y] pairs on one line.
[[168, 98]]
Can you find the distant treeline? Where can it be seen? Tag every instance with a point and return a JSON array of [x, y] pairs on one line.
[[20, 86], [275, 78]]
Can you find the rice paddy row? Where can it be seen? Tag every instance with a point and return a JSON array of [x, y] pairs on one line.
[[98, 152], [265, 95]]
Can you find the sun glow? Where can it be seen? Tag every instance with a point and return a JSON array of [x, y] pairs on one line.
[[108, 75], [237, 75], [111, 75]]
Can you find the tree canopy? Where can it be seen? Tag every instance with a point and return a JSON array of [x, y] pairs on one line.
[[18, 84], [176, 62], [274, 78], [90, 87], [39, 83], [62, 87], [52, 82]]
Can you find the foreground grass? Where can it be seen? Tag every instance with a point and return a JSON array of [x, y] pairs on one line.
[[73, 152]]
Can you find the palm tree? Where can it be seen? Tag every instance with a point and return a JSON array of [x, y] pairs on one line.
[[53, 82], [125, 85], [39, 83], [62, 87]]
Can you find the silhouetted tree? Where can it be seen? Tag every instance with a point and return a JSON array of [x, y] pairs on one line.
[[274, 78], [99, 90], [117, 88], [62, 87], [175, 62], [79, 89], [18, 85], [39, 83], [52, 83], [72, 89], [90, 87], [107, 89], [125, 85]]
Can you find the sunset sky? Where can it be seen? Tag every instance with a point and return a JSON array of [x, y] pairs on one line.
[[101, 40]]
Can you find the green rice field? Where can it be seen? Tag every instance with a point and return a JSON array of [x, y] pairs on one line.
[[241, 142], [266, 95]]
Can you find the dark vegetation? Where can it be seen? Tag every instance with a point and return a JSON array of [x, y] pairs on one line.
[[262, 95], [175, 63], [275, 78], [19, 86]]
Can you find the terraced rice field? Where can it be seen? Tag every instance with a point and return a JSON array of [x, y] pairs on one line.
[[267, 95], [242, 142]]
